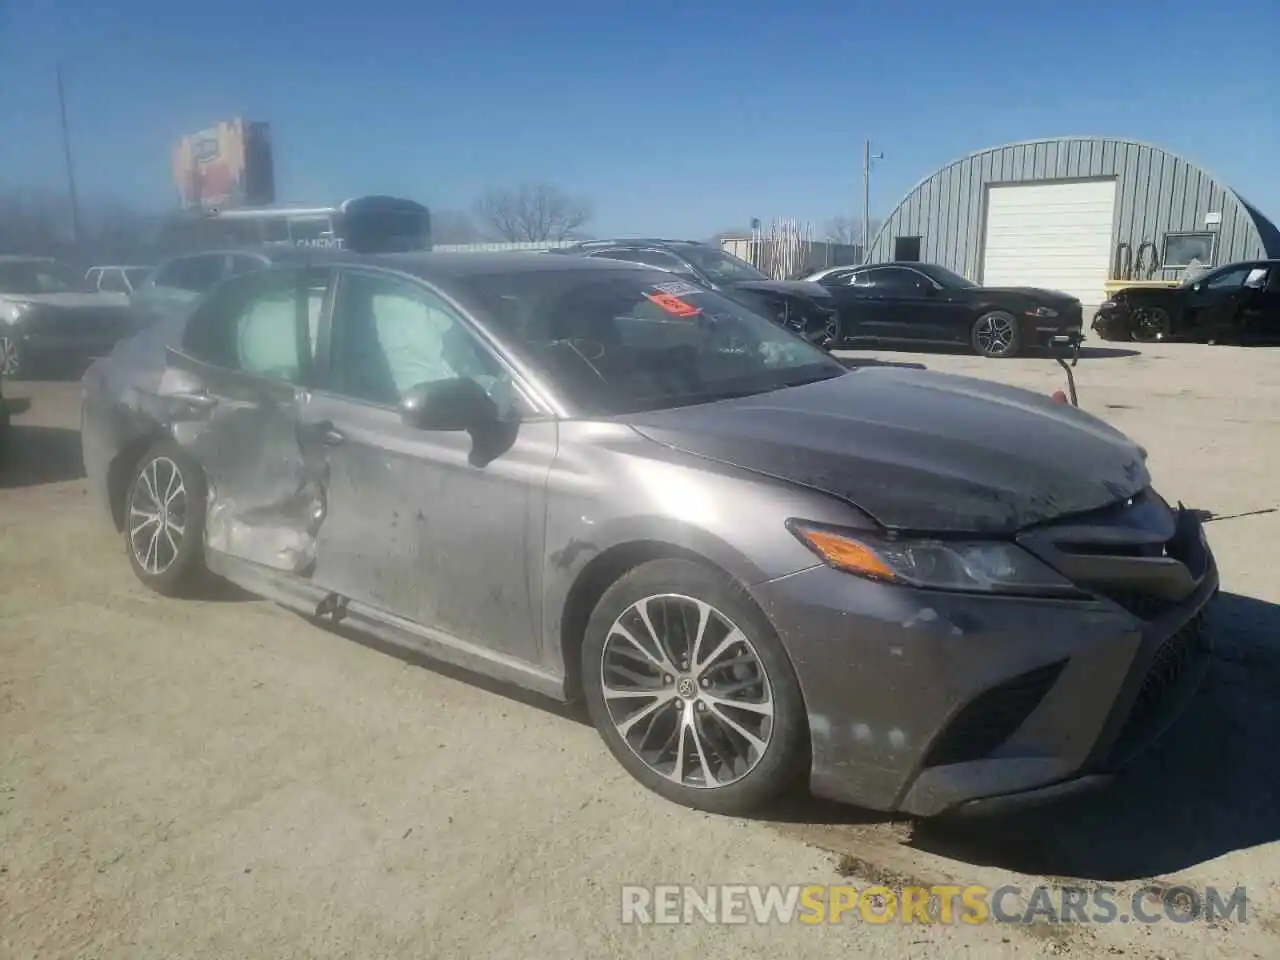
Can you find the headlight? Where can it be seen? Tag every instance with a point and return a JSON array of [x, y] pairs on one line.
[[1107, 305], [1043, 313], [966, 566], [11, 311]]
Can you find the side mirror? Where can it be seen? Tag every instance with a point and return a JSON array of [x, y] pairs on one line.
[[456, 404]]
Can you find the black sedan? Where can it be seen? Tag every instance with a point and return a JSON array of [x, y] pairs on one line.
[[1239, 301], [800, 306], [898, 303]]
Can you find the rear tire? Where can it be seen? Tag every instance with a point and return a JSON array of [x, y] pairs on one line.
[[164, 514], [715, 727], [996, 334]]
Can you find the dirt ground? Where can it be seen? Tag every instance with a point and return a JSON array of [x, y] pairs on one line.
[[223, 779]]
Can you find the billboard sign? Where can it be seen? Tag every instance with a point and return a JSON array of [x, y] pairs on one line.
[[226, 166]]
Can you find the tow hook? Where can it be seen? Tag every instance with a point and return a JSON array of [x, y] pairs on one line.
[[333, 606]]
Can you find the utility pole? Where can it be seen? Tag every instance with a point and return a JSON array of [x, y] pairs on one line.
[[66, 149], [866, 194]]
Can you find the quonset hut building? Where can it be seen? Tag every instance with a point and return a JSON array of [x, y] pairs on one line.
[[1073, 214]]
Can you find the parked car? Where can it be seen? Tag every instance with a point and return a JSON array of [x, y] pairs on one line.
[[179, 281], [923, 590], [1239, 301], [902, 303], [797, 305], [117, 280], [49, 315]]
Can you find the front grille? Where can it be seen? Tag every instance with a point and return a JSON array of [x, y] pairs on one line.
[[1139, 555], [1167, 668], [991, 718]]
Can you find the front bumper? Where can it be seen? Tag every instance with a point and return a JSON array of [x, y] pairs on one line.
[[1112, 324], [926, 703]]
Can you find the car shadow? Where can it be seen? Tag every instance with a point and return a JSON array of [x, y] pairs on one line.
[[34, 455], [1105, 353], [1211, 786]]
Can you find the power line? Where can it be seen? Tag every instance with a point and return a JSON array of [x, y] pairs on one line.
[[66, 149]]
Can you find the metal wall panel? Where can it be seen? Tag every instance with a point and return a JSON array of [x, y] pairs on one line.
[[1156, 193]]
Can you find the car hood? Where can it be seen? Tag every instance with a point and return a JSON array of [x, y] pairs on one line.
[[918, 450], [803, 288], [1034, 293], [87, 301], [1161, 293]]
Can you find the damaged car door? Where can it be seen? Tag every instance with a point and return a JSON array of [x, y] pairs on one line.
[[242, 376], [436, 469]]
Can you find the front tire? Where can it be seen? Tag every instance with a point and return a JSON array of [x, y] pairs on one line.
[[164, 515], [996, 334], [1151, 325], [691, 689], [12, 360]]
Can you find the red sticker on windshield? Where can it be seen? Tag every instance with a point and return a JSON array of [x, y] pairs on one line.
[[673, 304]]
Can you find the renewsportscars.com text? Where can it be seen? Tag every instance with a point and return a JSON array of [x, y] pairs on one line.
[[843, 903]]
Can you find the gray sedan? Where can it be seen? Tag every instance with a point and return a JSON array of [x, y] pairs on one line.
[[595, 480]]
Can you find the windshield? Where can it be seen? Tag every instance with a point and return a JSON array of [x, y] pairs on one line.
[[136, 275], [615, 343], [948, 279], [38, 276], [721, 266]]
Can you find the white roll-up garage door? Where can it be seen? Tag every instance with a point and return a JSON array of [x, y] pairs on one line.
[[1051, 235]]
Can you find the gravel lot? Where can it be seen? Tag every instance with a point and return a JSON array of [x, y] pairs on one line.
[[223, 779]]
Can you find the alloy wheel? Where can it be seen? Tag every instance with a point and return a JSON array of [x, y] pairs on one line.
[[10, 358], [994, 334], [687, 691], [157, 516], [1150, 324]]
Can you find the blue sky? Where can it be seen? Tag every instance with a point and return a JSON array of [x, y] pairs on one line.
[[671, 119]]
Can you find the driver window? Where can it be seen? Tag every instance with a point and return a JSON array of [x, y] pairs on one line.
[[1228, 280], [899, 282], [391, 335]]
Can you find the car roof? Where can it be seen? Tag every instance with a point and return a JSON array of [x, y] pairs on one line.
[[635, 242], [463, 265]]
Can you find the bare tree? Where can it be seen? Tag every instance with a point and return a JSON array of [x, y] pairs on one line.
[[848, 230], [532, 212], [454, 226]]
